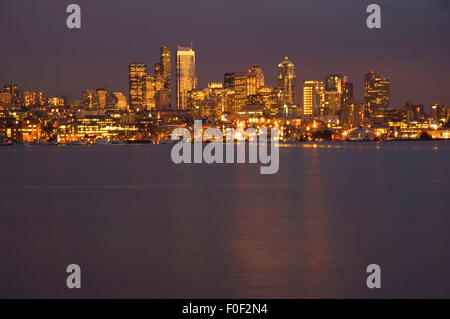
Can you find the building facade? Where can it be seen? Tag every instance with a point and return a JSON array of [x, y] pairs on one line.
[[376, 92], [137, 84], [186, 80], [287, 83]]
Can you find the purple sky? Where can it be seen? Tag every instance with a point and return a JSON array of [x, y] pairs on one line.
[[38, 52]]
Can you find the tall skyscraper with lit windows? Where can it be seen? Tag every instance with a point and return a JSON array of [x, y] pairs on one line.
[[137, 83], [259, 73], [313, 97], [166, 70], [337, 93], [245, 84], [186, 80], [376, 92], [286, 83]]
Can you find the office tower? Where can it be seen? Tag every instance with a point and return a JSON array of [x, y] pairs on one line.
[[121, 100], [347, 93], [186, 80], [100, 99], [88, 98], [255, 68], [28, 98], [162, 100], [286, 83], [116, 100], [228, 80], [269, 96], [313, 97], [166, 70], [155, 84], [439, 113], [93, 99], [244, 85], [137, 80], [337, 92], [351, 115], [13, 90], [376, 92], [334, 82], [332, 102], [41, 99], [414, 112], [5, 98], [151, 89]]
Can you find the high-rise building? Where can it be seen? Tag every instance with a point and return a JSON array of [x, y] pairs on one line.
[[259, 73], [137, 80], [166, 70], [41, 98], [116, 100], [244, 86], [28, 98], [332, 102], [439, 113], [376, 92], [351, 115], [186, 80], [337, 93], [228, 80], [150, 92], [101, 98], [414, 112], [92, 99], [155, 83], [162, 100], [287, 83], [5, 98], [88, 99], [13, 90], [347, 93], [313, 97], [334, 82]]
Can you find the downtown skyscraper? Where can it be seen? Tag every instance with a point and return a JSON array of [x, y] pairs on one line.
[[186, 79], [286, 83], [313, 98], [376, 92], [137, 83], [338, 92], [166, 70]]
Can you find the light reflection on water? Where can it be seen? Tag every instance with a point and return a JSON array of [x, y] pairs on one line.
[[141, 226]]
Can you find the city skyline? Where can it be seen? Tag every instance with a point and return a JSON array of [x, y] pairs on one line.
[[291, 89], [415, 67]]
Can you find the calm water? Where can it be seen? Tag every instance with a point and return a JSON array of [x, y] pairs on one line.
[[140, 226]]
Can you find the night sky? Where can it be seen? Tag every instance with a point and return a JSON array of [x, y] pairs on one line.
[[38, 52]]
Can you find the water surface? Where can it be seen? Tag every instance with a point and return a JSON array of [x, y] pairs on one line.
[[141, 226]]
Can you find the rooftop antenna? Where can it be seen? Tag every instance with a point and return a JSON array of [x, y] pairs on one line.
[[192, 45]]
